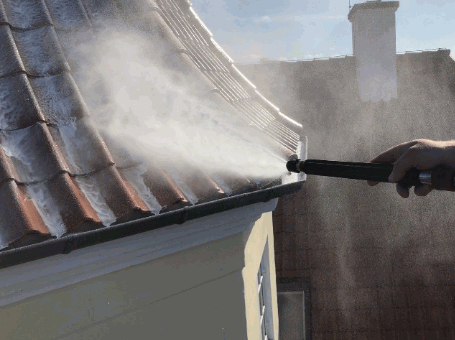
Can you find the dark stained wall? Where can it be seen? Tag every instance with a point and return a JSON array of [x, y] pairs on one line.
[[381, 267]]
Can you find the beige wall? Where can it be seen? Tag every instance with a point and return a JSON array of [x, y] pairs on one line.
[[196, 294], [257, 239]]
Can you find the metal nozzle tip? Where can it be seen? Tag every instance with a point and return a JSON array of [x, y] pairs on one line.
[[292, 165]]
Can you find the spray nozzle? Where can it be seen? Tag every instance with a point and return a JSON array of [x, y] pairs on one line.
[[293, 164]]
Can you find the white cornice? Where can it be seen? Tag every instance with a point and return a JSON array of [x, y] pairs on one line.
[[33, 278]]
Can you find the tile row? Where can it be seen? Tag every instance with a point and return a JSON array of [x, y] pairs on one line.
[[229, 81], [31, 14], [66, 15], [38, 152], [25, 101], [65, 204], [36, 52]]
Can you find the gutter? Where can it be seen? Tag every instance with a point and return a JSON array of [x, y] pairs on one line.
[[68, 243]]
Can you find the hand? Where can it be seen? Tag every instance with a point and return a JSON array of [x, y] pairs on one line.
[[422, 154]]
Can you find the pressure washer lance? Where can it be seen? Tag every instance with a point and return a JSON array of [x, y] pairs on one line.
[[441, 177]]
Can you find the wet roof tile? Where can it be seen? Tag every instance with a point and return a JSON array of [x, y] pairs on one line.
[[135, 176], [59, 98], [10, 61], [101, 12], [3, 18], [82, 147], [58, 173], [7, 169], [232, 184], [40, 51], [68, 15], [112, 194], [33, 153], [196, 184], [19, 215], [27, 14], [18, 105], [160, 185], [73, 206]]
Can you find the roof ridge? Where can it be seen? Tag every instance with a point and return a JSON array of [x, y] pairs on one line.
[[335, 57]]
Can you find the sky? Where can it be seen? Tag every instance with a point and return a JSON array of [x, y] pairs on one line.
[[249, 30]]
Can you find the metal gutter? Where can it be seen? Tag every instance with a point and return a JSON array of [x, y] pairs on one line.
[[66, 244]]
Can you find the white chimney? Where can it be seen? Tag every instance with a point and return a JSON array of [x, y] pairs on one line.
[[374, 43]]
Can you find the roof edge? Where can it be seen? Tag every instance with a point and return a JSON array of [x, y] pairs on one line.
[[372, 5], [66, 244], [442, 50]]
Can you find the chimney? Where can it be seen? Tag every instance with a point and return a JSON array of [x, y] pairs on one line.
[[374, 43]]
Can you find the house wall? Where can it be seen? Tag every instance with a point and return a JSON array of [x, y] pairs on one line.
[[380, 266], [206, 292]]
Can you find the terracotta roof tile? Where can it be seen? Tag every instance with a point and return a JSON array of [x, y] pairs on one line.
[[161, 186], [33, 153], [58, 173], [81, 146], [112, 198], [118, 195], [7, 169], [136, 177], [73, 206], [231, 184], [199, 183], [19, 215]]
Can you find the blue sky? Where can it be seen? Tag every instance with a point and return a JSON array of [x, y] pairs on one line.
[[249, 30]]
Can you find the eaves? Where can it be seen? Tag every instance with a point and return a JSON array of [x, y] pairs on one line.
[[69, 243], [46, 274]]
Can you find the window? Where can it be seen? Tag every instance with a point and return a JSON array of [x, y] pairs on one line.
[[264, 295], [294, 309]]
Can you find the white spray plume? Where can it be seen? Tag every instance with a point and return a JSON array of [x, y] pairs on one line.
[[133, 98]]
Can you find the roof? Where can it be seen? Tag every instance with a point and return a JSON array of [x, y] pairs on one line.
[[59, 174]]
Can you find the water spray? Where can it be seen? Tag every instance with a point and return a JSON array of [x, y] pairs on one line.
[[441, 177]]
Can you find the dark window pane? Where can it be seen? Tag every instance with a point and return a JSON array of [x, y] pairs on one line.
[[291, 315]]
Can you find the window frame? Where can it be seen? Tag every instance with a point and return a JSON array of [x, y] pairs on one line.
[[300, 285], [264, 292]]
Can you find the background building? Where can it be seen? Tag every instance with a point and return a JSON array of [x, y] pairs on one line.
[[379, 266]]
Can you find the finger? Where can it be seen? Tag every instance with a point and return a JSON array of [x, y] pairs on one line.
[[403, 164], [403, 191], [423, 189], [372, 183], [392, 154]]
